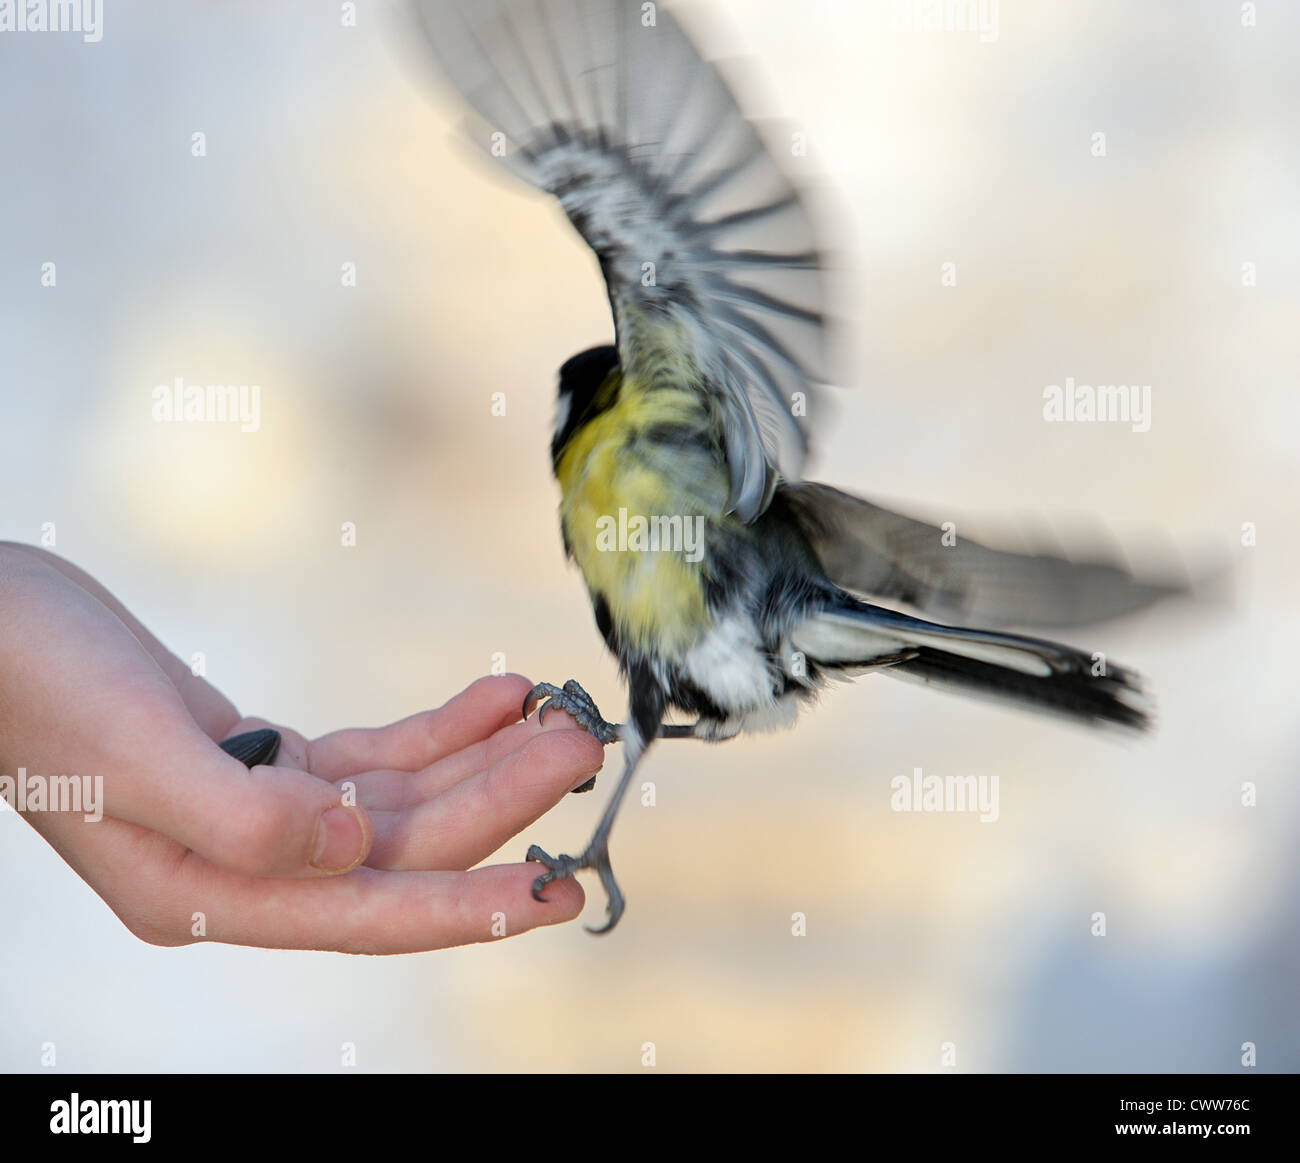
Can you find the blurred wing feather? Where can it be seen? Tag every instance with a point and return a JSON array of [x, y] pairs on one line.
[[708, 253], [877, 553]]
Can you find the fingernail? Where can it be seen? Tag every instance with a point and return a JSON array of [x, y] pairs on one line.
[[339, 842]]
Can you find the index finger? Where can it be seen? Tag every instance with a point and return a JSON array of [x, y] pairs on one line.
[[410, 744]]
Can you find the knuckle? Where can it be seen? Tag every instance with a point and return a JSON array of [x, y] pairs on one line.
[[260, 835]]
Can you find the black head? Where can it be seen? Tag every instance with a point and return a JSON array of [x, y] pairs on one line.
[[580, 381]]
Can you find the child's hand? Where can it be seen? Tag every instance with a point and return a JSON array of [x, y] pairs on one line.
[[193, 845]]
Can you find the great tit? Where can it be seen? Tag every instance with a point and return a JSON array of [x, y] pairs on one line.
[[729, 589]]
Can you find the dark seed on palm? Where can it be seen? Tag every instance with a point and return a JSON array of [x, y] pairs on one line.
[[253, 747]]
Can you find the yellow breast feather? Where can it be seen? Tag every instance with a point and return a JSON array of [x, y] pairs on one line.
[[613, 471]]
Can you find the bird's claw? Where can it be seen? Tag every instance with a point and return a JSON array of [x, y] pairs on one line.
[[563, 867], [575, 702]]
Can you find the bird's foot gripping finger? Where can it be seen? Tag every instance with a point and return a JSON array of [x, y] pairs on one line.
[[563, 867], [574, 701]]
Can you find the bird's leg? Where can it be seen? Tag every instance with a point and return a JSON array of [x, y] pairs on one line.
[[575, 701], [596, 854]]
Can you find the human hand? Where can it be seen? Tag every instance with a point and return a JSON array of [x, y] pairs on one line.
[[358, 841]]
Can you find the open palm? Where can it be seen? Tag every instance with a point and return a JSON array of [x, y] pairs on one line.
[[357, 841]]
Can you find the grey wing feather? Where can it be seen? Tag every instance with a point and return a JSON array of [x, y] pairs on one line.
[[874, 552], [707, 249]]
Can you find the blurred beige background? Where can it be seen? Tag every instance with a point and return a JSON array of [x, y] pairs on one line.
[[328, 145]]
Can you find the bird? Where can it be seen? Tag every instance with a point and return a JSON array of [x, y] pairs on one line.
[[730, 589]]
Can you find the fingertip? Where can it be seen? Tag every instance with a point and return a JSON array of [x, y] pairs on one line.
[[505, 902], [499, 698], [565, 901], [507, 689], [562, 900], [571, 754]]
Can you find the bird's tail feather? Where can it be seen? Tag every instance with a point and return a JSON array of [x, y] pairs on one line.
[[1030, 672]]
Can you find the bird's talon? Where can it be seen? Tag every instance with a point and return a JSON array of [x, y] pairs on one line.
[[574, 701], [563, 867], [543, 690]]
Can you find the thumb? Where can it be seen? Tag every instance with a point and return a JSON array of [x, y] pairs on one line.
[[257, 820], [82, 698]]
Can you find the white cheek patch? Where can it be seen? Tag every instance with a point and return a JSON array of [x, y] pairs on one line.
[[563, 406]]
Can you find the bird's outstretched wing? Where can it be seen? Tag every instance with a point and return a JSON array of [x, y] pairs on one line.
[[706, 247], [877, 553]]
